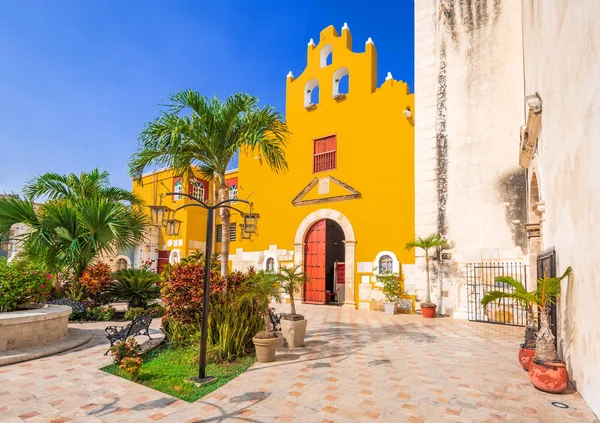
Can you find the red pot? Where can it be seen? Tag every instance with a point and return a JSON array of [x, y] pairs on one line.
[[549, 377], [428, 312], [525, 356]]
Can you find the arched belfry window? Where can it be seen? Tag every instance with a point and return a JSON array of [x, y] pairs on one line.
[[341, 82], [311, 93], [326, 55], [270, 264]]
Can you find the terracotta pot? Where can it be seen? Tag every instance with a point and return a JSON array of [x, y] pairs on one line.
[[265, 349], [428, 312], [293, 332], [549, 377], [525, 356]]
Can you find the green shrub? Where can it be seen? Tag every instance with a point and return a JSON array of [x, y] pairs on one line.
[[100, 313], [391, 285], [22, 282], [134, 312], [136, 286], [157, 309]]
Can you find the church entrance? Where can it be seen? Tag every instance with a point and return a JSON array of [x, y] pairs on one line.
[[324, 255]]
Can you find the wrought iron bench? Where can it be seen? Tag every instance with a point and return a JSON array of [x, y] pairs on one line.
[[139, 326], [275, 319], [79, 307]]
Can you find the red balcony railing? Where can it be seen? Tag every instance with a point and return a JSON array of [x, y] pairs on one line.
[[324, 161]]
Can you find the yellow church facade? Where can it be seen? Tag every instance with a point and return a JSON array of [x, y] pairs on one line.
[[345, 207]]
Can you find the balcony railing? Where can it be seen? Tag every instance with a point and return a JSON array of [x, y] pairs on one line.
[[324, 161]]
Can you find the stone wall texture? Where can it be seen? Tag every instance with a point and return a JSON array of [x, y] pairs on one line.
[[562, 52], [28, 328]]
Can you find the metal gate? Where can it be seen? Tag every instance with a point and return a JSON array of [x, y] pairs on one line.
[[481, 278], [546, 266]]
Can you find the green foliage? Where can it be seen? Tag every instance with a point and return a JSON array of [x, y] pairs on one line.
[[291, 280], [124, 349], [431, 241], [134, 312], [76, 291], [100, 313], [22, 282], [82, 218], [260, 290], [392, 289], [169, 370], [136, 286]]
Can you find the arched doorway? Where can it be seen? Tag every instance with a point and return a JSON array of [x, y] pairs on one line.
[[121, 264], [323, 248]]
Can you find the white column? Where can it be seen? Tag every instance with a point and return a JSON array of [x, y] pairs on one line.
[[349, 275]]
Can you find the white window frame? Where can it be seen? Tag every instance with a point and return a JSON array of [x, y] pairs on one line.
[[198, 190], [275, 262], [395, 262], [175, 256]]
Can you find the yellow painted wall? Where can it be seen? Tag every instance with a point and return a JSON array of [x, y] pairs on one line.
[[375, 155]]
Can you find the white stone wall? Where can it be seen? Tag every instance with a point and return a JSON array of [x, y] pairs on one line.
[[468, 108], [562, 53]]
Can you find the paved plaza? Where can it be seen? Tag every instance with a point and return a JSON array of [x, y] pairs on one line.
[[356, 367]]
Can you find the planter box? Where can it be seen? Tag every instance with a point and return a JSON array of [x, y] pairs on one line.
[[28, 328], [389, 308], [293, 332]]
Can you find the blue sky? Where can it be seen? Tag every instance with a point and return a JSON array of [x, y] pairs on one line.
[[79, 78]]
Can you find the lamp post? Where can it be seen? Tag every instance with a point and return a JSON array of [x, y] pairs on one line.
[[249, 227]]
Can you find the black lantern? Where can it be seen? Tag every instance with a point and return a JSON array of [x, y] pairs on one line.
[[250, 223], [159, 215], [173, 227]]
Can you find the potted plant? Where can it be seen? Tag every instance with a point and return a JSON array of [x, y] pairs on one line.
[[391, 289], [262, 288], [293, 325], [527, 350], [428, 309], [546, 371]]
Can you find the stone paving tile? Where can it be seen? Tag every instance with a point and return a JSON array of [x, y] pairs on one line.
[[355, 367]]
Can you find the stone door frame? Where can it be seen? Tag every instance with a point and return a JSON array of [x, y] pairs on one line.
[[349, 243]]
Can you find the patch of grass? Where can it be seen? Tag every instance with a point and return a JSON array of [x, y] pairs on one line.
[[168, 370]]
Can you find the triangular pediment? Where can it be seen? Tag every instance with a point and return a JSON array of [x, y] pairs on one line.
[[325, 190]]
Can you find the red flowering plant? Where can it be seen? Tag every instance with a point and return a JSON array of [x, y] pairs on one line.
[[22, 282], [97, 280], [124, 349], [132, 366], [182, 289]]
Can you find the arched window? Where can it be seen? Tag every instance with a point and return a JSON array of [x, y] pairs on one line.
[[121, 264], [270, 264], [326, 55], [198, 191], [386, 261], [311, 94], [175, 256], [386, 264], [341, 82]]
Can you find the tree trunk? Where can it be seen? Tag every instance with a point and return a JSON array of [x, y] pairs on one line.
[[545, 351], [225, 222], [292, 305], [531, 329], [268, 325], [427, 294]]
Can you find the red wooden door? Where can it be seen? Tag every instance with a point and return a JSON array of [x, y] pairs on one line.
[[163, 258], [314, 263]]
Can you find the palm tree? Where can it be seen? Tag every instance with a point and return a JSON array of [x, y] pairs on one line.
[[262, 288], [203, 133], [426, 244], [53, 186], [547, 289], [291, 279], [136, 286], [75, 225]]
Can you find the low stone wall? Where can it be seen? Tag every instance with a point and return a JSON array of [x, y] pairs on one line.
[[28, 328]]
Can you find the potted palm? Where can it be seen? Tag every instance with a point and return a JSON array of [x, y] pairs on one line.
[[546, 371], [261, 289], [428, 308], [293, 325], [527, 350], [391, 289]]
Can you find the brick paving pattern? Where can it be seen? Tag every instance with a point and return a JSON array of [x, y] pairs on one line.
[[356, 367]]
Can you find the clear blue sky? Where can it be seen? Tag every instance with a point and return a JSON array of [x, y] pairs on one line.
[[79, 78]]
